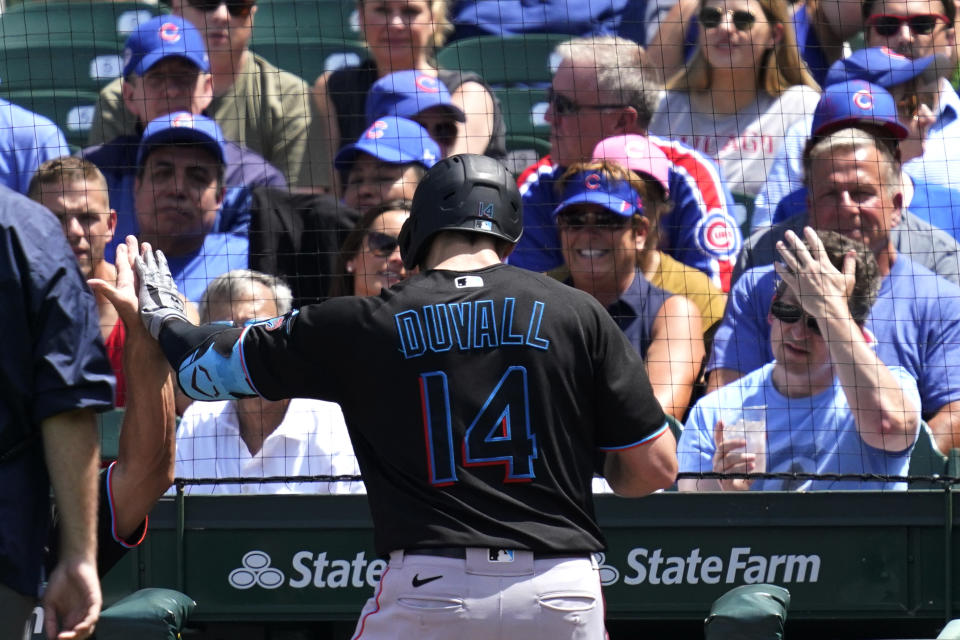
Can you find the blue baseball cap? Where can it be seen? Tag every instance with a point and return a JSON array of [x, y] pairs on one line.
[[855, 103], [594, 187], [182, 128], [394, 141], [162, 37], [408, 93], [884, 67]]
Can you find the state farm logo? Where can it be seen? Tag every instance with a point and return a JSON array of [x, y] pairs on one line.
[[256, 570]]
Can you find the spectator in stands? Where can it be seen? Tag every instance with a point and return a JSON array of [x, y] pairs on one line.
[[419, 97], [744, 87], [831, 405], [386, 162], [640, 155], [370, 258], [600, 89], [28, 141], [603, 232], [869, 107], [257, 438], [402, 35], [143, 470], [256, 104], [167, 70], [914, 85], [822, 28], [917, 29], [854, 190]]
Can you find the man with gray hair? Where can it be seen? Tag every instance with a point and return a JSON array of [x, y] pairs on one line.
[[601, 89], [254, 437], [854, 189]]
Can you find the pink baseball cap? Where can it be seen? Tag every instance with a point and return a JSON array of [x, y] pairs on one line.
[[637, 153]]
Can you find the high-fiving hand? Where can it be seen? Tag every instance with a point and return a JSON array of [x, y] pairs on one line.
[[160, 300]]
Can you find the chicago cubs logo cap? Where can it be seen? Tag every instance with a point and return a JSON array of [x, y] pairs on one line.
[[408, 93], [163, 37], [637, 153], [392, 140], [886, 68], [182, 128], [853, 104], [594, 187]]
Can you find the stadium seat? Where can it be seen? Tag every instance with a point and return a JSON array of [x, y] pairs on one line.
[[310, 58], [49, 62], [290, 19], [71, 110], [754, 611], [520, 60], [926, 459], [528, 134], [744, 213], [104, 22]]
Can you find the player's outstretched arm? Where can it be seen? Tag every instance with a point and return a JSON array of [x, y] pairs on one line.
[[641, 470]]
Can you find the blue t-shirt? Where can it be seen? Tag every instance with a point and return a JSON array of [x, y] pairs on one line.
[[53, 360], [220, 252], [117, 160], [915, 321], [29, 140], [816, 434]]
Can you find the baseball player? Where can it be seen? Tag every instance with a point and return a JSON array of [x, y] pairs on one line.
[[479, 398]]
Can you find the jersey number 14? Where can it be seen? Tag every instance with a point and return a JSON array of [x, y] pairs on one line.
[[500, 433]]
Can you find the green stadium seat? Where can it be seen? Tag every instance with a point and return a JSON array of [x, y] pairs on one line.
[[310, 58], [754, 611], [518, 60], [49, 62], [291, 19], [528, 134], [926, 459], [71, 110], [109, 424], [744, 213], [106, 22], [523, 151]]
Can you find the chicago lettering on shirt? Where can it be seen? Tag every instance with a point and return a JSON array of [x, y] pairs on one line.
[[748, 142]]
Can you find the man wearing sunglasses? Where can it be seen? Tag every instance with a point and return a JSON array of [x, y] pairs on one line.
[[853, 188], [831, 405], [256, 104], [600, 90], [167, 70]]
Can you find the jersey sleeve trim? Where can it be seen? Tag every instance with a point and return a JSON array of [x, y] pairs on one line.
[[134, 540], [650, 438]]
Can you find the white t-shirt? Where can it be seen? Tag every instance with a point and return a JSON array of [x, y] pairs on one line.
[[311, 440], [744, 143]]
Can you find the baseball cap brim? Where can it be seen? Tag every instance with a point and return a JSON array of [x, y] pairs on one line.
[[148, 61], [177, 136], [379, 149], [895, 129], [611, 203]]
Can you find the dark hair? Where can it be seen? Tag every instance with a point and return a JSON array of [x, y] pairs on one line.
[[867, 274], [342, 284], [949, 10]]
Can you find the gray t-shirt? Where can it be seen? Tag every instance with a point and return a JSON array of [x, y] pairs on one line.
[[744, 143], [918, 240]]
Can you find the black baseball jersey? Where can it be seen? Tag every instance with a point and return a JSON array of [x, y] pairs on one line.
[[475, 401]]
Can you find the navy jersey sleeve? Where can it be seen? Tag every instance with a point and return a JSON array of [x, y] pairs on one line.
[[54, 355]]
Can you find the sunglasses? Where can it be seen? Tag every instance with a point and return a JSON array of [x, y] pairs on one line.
[[564, 106], [711, 17], [237, 8], [921, 24], [792, 314], [604, 218], [381, 245]]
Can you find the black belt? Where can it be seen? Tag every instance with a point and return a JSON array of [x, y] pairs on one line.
[[460, 553]]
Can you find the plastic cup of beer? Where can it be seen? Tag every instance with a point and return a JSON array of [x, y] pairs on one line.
[[750, 424]]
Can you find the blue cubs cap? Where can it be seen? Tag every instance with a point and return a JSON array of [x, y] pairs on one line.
[[884, 67], [394, 141], [594, 187], [855, 103], [407, 93], [182, 128], [162, 37]]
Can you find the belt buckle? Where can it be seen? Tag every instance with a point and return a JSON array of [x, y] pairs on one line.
[[500, 555]]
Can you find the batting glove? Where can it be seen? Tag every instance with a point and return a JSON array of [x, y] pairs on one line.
[[159, 298]]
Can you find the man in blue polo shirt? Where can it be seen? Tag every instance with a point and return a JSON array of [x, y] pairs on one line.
[[916, 320], [166, 70]]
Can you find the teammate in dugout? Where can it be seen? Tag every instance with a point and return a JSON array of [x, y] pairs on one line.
[[496, 388]]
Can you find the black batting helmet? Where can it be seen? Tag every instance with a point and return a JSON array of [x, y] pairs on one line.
[[466, 192]]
